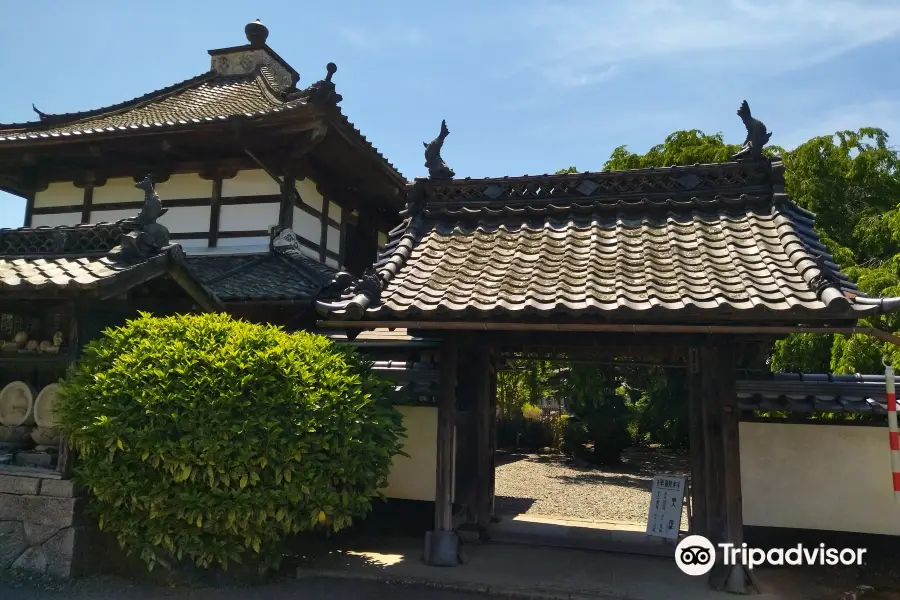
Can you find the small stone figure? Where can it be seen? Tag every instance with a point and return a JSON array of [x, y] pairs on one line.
[[437, 168], [757, 135], [146, 235]]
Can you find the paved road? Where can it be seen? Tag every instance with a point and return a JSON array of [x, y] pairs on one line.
[[307, 589]]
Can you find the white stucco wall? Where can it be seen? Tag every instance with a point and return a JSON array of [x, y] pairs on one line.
[[69, 218], [309, 194], [827, 477], [307, 226], [252, 182], [413, 477], [59, 194], [248, 217], [183, 186], [117, 189]]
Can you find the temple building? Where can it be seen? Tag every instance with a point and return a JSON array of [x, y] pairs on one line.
[[242, 190], [232, 152]]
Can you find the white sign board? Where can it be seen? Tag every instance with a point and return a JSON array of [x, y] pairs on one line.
[[666, 499]]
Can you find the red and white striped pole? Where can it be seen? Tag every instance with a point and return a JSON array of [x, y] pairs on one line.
[[892, 426]]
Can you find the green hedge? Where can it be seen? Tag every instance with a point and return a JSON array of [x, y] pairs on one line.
[[205, 438]]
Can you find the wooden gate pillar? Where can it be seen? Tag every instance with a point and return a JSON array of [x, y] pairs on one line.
[[442, 544], [722, 460], [484, 422], [697, 445]]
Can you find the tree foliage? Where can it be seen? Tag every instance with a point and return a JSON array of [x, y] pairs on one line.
[[851, 180], [206, 438]]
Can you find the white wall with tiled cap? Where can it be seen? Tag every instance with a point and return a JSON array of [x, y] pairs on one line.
[[61, 193]]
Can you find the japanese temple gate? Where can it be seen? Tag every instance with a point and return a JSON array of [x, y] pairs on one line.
[[702, 265]]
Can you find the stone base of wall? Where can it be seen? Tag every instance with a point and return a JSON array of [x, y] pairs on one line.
[[41, 530]]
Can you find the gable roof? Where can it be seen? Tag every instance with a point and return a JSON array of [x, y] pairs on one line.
[[85, 260], [249, 82], [704, 244], [270, 277]]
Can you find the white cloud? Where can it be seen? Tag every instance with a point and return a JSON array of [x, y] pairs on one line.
[[581, 42]]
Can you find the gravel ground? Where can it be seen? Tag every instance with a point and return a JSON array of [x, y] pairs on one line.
[[555, 486], [102, 588]]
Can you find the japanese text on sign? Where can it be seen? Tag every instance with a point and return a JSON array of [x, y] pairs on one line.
[[666, 499]]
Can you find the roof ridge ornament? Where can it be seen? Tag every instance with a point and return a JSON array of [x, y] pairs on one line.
[[324, 90], [437, 168], [145, 235], [256, 33], [757, 135]]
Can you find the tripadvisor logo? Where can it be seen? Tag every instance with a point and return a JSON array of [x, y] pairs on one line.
[[696, 555]]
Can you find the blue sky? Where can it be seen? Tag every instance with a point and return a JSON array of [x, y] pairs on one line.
[[526, 86]]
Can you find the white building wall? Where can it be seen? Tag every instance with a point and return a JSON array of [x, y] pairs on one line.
[[826, 477]]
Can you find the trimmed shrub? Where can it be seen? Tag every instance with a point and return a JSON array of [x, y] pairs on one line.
[[205, 438]]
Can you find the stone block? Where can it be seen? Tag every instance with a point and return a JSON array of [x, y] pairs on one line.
[[38, 534], [32, 560], [60, 551], [60, 488], [12, 542], [42, 510], [10, 484]]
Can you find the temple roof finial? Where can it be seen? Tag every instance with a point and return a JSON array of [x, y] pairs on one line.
[[256, 33]]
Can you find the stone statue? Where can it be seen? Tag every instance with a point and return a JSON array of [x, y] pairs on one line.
[[757, 135], [437, 168], [146, 236]]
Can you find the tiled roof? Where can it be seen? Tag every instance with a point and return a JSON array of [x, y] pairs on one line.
[[808, 393], [707, 243], [49, 261], [206, 98], [263, 277]]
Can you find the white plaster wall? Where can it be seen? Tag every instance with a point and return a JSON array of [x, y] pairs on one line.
[[306, 225], [332, 263], [183, 186], [56, 220], [117, 189], [111, 216], [309, 194], [253, 182], [248, 217], [333, 242], [184, 219], [826, 477], [413, 477], [334, 212], [62, 193], [192, 244]]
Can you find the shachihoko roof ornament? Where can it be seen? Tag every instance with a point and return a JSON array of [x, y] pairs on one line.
[[437, 168], [757, 135]]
